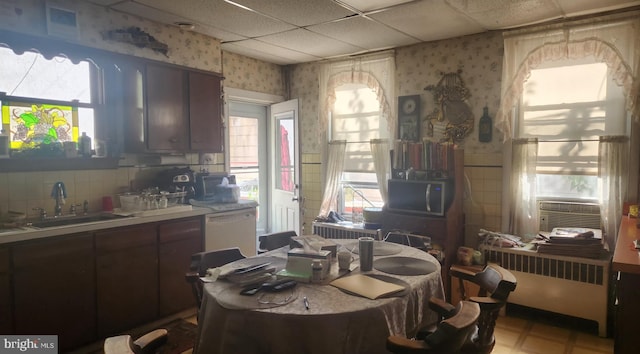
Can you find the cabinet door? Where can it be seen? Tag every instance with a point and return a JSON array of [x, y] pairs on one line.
[[6, 320], [206, 131], [126, 278], [167, 120], [54, 289], [126, 88], [178, 241]]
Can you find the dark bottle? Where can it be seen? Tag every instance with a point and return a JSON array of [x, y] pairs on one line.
[[485, 128]]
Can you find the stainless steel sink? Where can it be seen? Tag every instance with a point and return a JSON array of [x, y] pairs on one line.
[[74, 220]]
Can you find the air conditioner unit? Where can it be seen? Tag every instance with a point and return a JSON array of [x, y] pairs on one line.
[[568, 214]]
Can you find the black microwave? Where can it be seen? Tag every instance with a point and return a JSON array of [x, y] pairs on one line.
[[420, 197], [205, 185]]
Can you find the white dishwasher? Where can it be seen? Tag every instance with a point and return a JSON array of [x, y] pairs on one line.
[[235, 228]]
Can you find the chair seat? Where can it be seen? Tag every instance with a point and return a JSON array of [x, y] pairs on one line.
[[124, 344], [449, 336], [202, 261]]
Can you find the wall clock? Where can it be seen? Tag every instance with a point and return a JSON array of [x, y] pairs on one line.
[[409, 118]]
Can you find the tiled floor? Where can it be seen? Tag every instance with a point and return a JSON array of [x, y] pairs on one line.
[[528, 333], [518, 333]]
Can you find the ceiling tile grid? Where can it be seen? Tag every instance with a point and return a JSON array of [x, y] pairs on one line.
[[364, 33], [295, 31]]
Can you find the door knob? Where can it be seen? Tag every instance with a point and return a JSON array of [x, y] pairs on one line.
[[294, 199]]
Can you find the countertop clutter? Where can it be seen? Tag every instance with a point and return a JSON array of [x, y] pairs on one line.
[[26, 233]]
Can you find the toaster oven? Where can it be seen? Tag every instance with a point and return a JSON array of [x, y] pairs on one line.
[[206, 184]]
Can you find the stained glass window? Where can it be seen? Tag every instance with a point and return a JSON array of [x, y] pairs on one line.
[[31, 125], [45, 102]]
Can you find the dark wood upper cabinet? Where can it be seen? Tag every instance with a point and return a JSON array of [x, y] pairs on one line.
[[167, 117], [170, 109], [205, 118]]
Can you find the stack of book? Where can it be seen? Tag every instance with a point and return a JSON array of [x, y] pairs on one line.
[[574, 242], [426, 155]]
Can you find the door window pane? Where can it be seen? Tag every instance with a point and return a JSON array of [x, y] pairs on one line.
[[285, 153]]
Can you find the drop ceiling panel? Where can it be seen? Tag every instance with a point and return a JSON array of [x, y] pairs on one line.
[[365, 33], [221, 15], [282, 55], [334, 29], [498, 14], [299, 12], [369, 5], [311, 43], [428, 20], [572, 7], [149, 13], [218, 33]]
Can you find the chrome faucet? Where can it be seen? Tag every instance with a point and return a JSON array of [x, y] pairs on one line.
[[59, 192]]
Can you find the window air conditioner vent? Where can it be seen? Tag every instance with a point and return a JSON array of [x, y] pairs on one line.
[[563, 214]]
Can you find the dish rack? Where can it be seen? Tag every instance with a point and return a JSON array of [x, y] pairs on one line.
[[150, 201]]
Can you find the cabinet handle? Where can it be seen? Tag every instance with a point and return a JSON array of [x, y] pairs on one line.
[[427, 196]]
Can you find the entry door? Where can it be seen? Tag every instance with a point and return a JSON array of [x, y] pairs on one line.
[[285, 172]]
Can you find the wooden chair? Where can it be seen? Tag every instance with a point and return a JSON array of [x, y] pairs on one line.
[[495, 283], [202, 261], [124, 344], [450, 334], [407, 239], [269, 242]]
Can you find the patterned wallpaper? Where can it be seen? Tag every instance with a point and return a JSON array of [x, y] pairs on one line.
[[479, 57], [185, 47], [253, 75]]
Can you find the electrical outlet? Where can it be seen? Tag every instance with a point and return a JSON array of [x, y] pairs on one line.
[[207, 159]]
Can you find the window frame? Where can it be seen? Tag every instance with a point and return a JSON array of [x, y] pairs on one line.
[[519, 117], [355, 184]]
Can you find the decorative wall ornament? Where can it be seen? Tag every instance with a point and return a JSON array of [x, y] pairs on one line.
[[450, 94], [137, 37]]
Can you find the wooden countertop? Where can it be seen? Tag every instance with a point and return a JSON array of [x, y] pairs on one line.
[[626, 257]]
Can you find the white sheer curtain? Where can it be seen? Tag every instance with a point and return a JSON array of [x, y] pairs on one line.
[[523, 215], [377, 71], [614, 40], [335, 166], [382, 163], [613, 172]]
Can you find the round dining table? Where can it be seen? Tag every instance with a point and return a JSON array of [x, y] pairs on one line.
[[317, 317]]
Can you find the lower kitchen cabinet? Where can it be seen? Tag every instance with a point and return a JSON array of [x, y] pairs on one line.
[[6, 321], [178, 240], [54, 289], [126, 278], [88, 286]]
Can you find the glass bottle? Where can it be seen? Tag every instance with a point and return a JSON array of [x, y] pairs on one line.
[[485, 128], [85, 145]]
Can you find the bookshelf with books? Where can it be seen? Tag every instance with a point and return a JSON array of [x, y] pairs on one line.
[[426, 160]]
